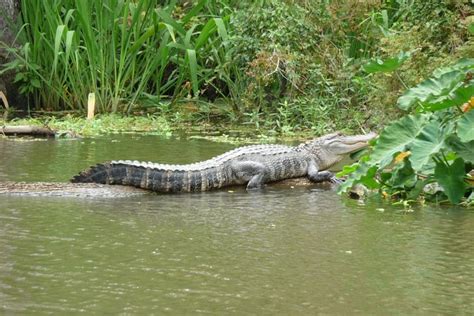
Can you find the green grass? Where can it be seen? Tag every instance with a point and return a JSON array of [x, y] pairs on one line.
[[126, 52]]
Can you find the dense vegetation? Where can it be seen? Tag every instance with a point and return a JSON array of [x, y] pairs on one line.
[[283, 65], [427, 154]]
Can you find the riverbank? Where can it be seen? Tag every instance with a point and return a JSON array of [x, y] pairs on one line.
[[75, 125], [78, 126]]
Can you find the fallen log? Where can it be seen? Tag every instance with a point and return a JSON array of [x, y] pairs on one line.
[[68, 189], [27, 130]]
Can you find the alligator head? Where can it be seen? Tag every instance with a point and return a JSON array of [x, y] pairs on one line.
[[330, 149]]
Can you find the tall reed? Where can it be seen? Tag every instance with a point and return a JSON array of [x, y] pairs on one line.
[[121, 50]]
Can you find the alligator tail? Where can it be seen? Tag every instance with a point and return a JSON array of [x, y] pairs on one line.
[[149, 178], [95, 174]]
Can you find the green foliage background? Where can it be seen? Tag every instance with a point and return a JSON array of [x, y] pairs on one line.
[[279, 64]]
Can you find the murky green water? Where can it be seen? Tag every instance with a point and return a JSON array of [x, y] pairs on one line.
[[279, 251]]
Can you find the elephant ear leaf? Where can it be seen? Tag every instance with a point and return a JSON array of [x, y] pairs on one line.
[[431, 90], [387, 65], [465, 127], [451, 179], [430, 141], [464, 64], [396, 137], [447, 87], [463, 150], [360, 173]]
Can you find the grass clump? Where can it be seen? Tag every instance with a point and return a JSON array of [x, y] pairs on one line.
[[126, 52]]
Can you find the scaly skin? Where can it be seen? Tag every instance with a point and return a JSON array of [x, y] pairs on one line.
[[250, 165]]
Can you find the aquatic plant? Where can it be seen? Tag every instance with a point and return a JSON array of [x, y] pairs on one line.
[[429, 152]]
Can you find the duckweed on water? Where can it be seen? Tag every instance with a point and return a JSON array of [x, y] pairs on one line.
[[100, 125]]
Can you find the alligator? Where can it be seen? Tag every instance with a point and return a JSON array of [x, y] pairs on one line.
[[252, 165]]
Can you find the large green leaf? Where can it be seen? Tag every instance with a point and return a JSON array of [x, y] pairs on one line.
[[431, 89], [347, 170], [429, 141], [364, 174], [403, 175], [462, 149], [396, 137], [465, 127], [451, 178], [463, 64], [387, 65], [455, 97], [417, 189]]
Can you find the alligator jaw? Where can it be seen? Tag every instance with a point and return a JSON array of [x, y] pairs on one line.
[[344, 145], [331, 149]]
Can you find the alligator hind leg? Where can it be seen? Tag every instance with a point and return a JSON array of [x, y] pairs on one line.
[[256, 182], [250, 172]]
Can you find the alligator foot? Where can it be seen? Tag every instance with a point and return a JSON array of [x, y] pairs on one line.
[[322, 176], [336, 180]]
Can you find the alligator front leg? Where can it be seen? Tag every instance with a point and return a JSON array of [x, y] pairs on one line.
[[250, 172], [320, 176]]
